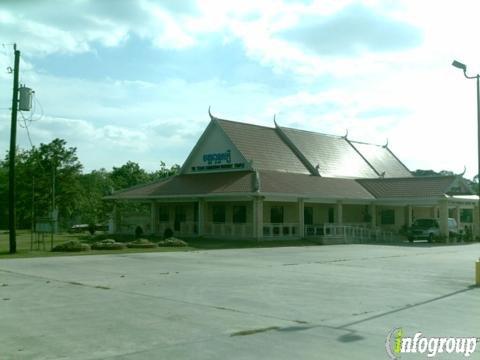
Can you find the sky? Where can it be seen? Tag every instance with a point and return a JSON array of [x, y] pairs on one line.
[[133, 79]]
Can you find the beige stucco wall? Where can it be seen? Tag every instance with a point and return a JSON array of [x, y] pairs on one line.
[[228, 210], [290, 211], [400, 217], [354, 213], [189, 210], [320, 212], [422, 212]]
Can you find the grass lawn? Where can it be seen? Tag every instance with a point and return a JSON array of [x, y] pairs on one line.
[[24, 244]]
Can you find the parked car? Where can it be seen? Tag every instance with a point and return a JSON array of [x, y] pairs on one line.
[[79, 228], [429, 228]]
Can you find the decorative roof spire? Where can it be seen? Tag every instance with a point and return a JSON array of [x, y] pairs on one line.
[[386, 144], [274, 120], [346, 134], [210, 113], [257, 184]]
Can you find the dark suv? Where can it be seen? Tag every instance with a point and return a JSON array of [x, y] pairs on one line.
[[430, 228]]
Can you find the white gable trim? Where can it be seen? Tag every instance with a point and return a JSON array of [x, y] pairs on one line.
[[232, 160]]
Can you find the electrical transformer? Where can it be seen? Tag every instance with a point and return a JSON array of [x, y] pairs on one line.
[[25, 98]]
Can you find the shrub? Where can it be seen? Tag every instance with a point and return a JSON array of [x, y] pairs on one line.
[[108, 244], [141, 244], [172, 242], [168, 233], [73, 245], [138, 232]]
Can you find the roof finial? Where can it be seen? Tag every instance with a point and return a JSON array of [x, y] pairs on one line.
[[386, 144], [346, 134], [210, 113], [275, 120], [464, 171], [257, 183]]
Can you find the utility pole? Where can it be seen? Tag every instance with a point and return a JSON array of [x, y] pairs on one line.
[[11, 155]]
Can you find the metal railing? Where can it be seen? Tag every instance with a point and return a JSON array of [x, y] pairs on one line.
[[348, 233], [234, 230], [284, 230]]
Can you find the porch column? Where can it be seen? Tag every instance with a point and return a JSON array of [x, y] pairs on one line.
[[457, 215], [258, 218], [153, 218], [201, 217], [476, 225], [301, 218], [444, 218], [339, 213], [373, 215]]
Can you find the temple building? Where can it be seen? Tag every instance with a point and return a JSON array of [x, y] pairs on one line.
[[249, 181]]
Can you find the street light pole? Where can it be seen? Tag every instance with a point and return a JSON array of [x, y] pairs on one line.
[[463, 67]]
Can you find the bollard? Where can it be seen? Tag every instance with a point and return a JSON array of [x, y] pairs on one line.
[[477, 273]]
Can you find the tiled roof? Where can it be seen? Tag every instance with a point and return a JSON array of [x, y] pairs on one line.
[[312, 186], [271, 182], [334, 155], [196, 184], [262, 145], [413, 187], [382, 159]]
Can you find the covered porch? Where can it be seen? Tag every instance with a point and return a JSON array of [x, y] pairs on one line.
[[255, 217], [276, 205]]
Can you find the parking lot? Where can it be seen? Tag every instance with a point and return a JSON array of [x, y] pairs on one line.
[[317, 302]]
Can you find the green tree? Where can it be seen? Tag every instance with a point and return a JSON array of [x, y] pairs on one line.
[[46, 176], [128, 175], [94, 186], [164, 171]]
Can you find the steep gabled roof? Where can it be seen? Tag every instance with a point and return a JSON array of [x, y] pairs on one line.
[[382, 160], [293, 151], [334, 156], [312, 186], [263, 146], [414, 187]]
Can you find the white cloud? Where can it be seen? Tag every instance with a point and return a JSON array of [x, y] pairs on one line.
[[412, 96]]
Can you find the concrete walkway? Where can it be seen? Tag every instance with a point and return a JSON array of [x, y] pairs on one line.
[[325, 302]]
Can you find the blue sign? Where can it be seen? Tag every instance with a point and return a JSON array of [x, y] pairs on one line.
[[218, 158]]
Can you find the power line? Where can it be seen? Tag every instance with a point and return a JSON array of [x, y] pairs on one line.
[[26, 127]]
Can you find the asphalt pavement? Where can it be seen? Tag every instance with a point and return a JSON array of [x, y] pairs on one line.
[[318, 302]]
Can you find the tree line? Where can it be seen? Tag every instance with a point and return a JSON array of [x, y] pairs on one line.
[[50, 177]]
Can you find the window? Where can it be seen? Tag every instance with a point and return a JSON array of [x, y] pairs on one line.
[[218, 213], [180, 216], [308, 216], [163, 215], [331, 215], [388, 217], [239, 214], [466, 215], [276, 214]]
